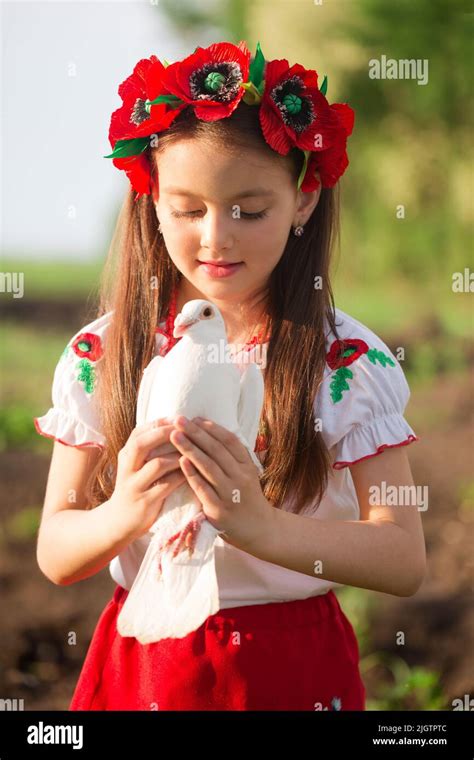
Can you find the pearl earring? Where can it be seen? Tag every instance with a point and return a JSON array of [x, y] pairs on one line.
[[298, 231], [159, 229]]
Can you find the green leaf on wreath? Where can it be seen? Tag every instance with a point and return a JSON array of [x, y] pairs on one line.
[[170, 100], [125, 148], [256, 67]]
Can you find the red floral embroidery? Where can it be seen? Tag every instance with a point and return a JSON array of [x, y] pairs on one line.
[[88, 346], [344, 352]]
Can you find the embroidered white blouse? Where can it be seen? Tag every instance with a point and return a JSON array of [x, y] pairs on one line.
[[360, 405]]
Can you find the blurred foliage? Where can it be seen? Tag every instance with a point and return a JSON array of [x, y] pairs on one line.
[[433, 29], [466, 500], [57, 279], [358, 604], [228, 15], [24, 525], [28, 362], [401, 687], [16, 427]]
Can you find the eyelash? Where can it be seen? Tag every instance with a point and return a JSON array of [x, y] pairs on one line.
[[191, 214]]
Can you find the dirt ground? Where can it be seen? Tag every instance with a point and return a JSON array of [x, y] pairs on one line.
[[38, 665]]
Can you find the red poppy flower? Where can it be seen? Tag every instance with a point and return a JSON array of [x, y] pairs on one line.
[[345, 352], [89, 346], [137, 117], [294, 112], [331, 163], [210, 79]]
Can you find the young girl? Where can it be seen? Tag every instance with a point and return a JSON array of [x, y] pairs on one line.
[[233, 163]]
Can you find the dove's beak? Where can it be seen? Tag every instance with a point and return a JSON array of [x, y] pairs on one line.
[[181, 325]]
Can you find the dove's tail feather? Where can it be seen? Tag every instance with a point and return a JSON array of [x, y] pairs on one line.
[[177, 600]]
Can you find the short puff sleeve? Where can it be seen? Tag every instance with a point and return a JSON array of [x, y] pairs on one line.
[[74, 418], [362, 398]]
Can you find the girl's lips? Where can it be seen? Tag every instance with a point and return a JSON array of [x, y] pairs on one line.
[[220, 270]]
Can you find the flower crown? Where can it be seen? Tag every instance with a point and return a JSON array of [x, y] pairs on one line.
[[293, 111]]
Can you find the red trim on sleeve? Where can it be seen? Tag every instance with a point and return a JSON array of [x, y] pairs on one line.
[[74, 445], [410, 439]]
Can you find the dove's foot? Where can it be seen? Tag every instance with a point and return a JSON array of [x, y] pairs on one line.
[[186, 537]]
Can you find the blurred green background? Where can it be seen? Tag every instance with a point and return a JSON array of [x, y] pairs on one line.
[[411, 147]]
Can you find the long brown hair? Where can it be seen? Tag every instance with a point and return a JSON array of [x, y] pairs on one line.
[[297, 461]]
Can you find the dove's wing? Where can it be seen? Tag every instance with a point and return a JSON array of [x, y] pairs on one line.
[[250, 407], [146, 384]]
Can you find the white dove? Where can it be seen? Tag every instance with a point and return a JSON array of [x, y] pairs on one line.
[[174, 591]]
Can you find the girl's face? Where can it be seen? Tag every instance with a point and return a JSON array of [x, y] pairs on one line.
[[215, 205]]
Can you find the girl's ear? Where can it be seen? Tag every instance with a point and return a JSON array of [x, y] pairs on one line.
[[306, 203]]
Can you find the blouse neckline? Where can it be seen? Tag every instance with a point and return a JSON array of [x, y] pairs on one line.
[[168, 327]]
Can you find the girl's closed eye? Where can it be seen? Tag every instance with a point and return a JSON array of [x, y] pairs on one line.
[[194, 214]]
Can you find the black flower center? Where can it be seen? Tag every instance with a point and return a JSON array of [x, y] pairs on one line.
[[296, 110], [140, 111], [216, 81]]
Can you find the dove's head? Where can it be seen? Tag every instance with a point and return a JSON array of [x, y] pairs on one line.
[[199, 319]]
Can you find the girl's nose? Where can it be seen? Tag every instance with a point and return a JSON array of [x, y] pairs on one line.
[[216, 232]]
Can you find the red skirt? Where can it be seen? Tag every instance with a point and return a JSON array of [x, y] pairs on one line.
[[296, 655]]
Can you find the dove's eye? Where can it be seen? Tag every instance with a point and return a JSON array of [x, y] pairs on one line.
[[207, 312]]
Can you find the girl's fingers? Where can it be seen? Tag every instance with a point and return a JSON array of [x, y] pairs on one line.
[[166, 485], [155, 469], [212, 431], [211, 469], [217, 444], [139, 445], [159, 451], [217, 441]]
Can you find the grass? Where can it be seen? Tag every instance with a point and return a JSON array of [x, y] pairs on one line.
[[404, 305], [28, 362], [56, 279]]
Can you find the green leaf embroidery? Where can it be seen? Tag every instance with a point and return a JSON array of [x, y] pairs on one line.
[[374, 354], [339, 383], [86, 375]]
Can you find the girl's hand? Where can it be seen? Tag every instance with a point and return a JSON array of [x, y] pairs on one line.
[[147, 472], [221, 473]]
